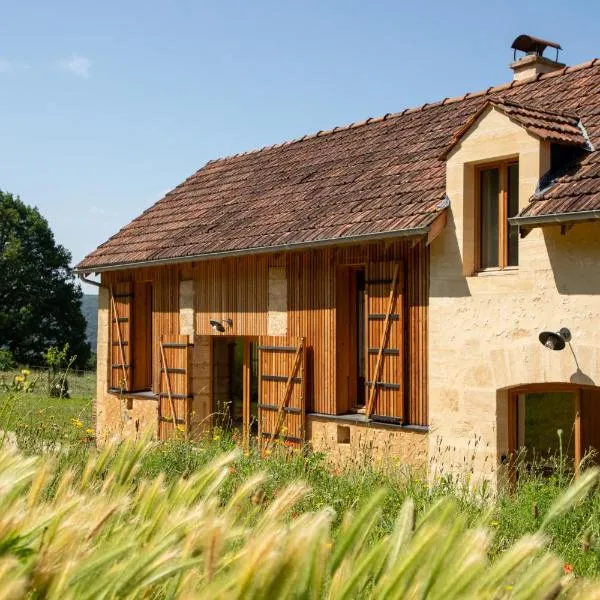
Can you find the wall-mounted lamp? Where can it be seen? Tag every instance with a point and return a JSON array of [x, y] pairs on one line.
[[555, 340], [220, 326]]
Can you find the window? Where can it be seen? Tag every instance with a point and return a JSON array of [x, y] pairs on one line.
[[497, 243]]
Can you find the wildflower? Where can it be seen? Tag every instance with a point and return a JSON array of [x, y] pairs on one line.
[[77, 423], [216, 437], [25, 372], [89, 431], [494, 524], [19, 378], [181, 428], [568, 568]]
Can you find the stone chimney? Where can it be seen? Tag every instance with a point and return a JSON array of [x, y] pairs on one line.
[[533, 62]]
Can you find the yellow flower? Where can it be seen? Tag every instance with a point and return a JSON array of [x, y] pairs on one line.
[[216, 437], [25, 372], [90, 431], [494, 524], [181, 428], [19, 378], [77, 423]]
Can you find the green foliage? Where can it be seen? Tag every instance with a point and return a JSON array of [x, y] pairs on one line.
[[7, 361], [19, 384], [59, 362], [104, 530], [40, 301]]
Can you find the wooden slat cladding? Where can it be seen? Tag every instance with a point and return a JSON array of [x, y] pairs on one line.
[[174, 389], [281, 395], [385, 330], [416, 361], [121, 319], [237, 288]]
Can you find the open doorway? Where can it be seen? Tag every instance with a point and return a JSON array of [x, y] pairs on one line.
[[235, 381]]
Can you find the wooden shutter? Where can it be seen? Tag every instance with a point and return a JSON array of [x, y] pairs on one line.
[[121, 373], [282, 392], [174, 400], [384, 336]]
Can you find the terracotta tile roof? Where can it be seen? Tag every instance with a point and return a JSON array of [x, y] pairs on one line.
[[557, 127], [376, 177], [575, 194]]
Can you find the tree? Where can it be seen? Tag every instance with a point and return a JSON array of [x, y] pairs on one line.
[[40, 300]]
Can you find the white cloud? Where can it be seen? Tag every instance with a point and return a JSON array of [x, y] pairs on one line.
[[76, 65], [94, 210]]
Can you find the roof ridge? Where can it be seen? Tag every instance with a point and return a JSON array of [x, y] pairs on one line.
[[427, 105]]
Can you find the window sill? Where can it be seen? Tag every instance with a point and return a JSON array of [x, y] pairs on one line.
[[139, 395], [496, 272], [360, 419]]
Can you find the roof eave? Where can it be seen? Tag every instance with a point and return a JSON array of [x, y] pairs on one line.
[[416, 232], [555, 218]]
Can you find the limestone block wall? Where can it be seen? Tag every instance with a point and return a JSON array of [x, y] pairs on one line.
[[484, 327], [345, 441]]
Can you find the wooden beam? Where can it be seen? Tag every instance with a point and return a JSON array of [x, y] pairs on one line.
[[168, 379], [384, 336], [565, 228], [286, 396], [524, 231], [246, 384], [437, 226]]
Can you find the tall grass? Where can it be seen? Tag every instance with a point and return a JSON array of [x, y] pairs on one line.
[[99, 529]]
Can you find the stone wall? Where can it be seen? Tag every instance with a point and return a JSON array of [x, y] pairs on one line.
[[484, 327], [345, 441]]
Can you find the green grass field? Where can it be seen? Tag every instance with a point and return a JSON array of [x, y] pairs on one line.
[[59, 428], [39, 414]]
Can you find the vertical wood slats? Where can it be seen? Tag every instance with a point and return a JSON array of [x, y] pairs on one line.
[[282, 406], [121, 375], [174, 388], [237, 288], [385, 370]]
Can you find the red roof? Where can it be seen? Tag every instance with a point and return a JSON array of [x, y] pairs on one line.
[[375, 178], [558, 127]]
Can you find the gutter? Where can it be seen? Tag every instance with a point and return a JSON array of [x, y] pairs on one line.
[[556, 218], [81, 275], [402, 233]]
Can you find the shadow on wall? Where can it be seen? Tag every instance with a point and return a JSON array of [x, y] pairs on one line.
[[447, 278], [575, 258]]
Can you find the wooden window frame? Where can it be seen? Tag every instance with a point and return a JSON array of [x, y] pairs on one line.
[[513, 399], [503, 227]]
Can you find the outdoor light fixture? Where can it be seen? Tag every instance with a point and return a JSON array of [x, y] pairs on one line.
[[555, 341], [220, 325]]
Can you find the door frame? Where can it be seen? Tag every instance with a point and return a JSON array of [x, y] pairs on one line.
[[513, 399]]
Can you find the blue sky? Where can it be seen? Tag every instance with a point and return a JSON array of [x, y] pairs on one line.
[[107, 105]]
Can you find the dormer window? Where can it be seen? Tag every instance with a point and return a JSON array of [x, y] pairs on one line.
[[498, 200]]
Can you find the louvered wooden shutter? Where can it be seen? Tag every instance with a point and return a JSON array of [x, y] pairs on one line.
[[385, 332], [282, 391], [174, 390], [121, 301]]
